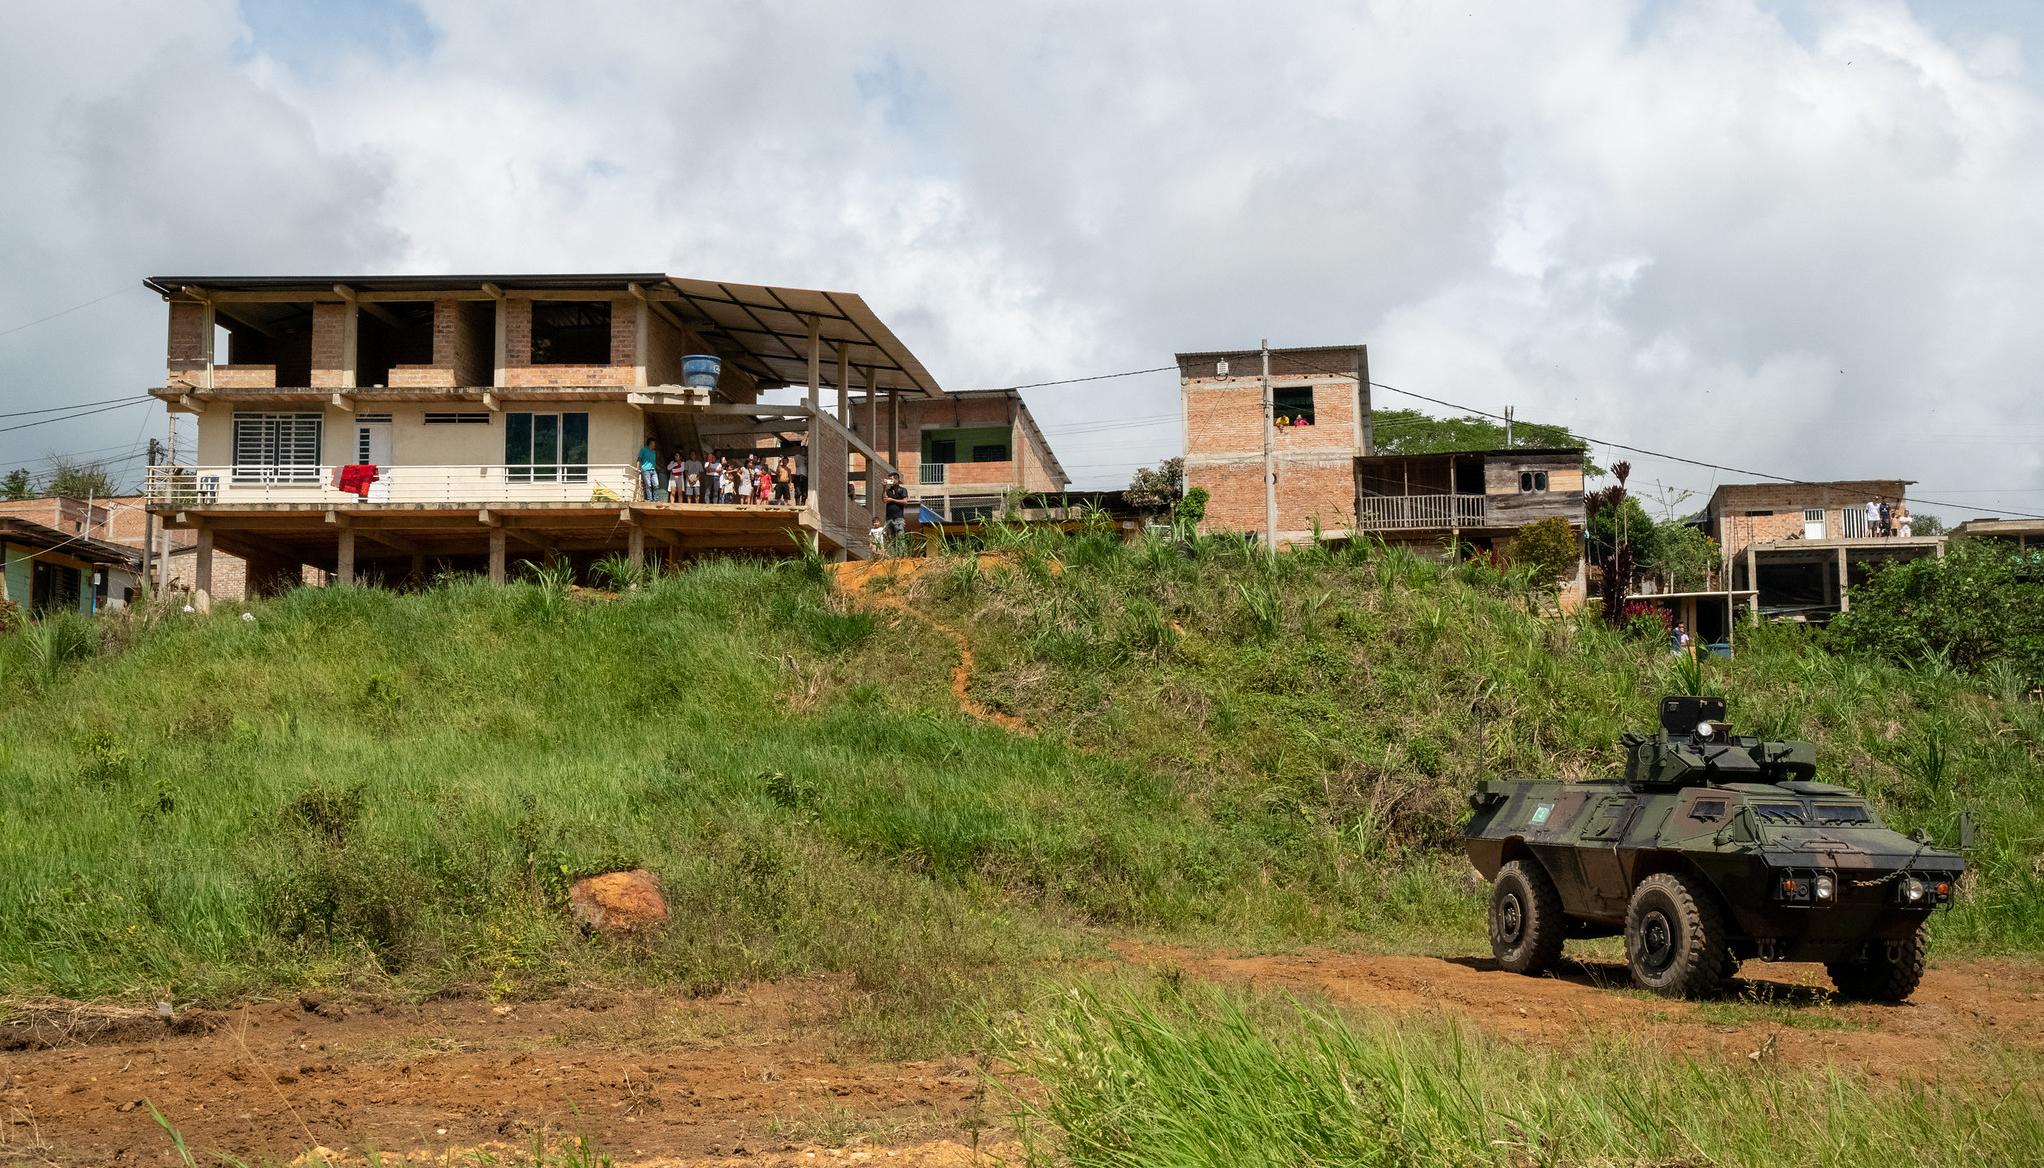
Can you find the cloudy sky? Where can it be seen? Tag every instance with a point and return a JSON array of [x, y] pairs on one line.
[[1800, 238]]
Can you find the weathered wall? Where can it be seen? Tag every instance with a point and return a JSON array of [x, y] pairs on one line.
[[1315, 465]]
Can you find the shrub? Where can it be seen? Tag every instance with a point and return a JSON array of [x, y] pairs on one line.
[[1983, 602], [1549, 547]]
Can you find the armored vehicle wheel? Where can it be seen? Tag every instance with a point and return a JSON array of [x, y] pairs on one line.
[[1878, 977], [1525, 919], [1675, 937]]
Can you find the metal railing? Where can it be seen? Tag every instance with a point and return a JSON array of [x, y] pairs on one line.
[[201, 486], [931, 474], [1386, 512]]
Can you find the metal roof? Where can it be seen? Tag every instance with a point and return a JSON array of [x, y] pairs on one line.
[[49, 539], [764, 329]]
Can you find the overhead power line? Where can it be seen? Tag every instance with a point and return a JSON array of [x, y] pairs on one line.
[[122, 405], [75, 406], [68, 311]]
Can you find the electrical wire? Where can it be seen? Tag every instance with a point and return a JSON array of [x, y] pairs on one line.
[[68, 311], [68, 417], [75, 406]]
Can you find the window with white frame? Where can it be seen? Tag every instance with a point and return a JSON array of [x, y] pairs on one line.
[[276, 447]]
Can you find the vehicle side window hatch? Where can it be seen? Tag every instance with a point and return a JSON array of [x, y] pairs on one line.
[[1779, 812], [1707, 810]]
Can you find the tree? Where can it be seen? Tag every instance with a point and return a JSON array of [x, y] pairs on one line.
[[1605, 519], [1926, 524], [1155, 489], [79, 480], [1623, 522], [1684, 554], [1982, 602], [1411, 432], [16, 486], [1550, 547]]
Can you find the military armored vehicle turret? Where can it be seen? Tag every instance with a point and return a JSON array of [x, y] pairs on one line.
[[1711, 849]]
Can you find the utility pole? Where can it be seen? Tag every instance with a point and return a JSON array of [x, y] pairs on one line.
[[163, 535], [149, 518], [1508, 426], [1269, 459]]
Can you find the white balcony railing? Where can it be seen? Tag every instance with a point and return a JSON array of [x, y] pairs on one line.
[[931, 474], [200, 486], [1388, 512]]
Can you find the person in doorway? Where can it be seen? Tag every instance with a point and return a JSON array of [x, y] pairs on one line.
[[649, 471], [802, 477], [897, 505], [677, 476]]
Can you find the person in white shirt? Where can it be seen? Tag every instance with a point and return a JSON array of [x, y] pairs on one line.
[[1873, 517]]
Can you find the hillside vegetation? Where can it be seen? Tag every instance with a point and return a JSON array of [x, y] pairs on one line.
[[358, 787]]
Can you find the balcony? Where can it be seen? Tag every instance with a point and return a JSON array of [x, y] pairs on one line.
[[1406, 512], [931, 474], [235, 486]]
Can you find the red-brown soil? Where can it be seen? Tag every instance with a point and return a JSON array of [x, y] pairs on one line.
[[757, 1076]]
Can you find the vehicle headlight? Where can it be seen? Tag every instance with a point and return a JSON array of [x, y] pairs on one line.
[[1913, 891], [1824, 888]]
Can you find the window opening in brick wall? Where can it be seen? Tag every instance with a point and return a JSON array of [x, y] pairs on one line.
[[397, 333], [571, 332], [1292, 405], [267, 334], [979, 443]]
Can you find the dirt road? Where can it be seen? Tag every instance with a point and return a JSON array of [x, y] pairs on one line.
[[754, 1077]]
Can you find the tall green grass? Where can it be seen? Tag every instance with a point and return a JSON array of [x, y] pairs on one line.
[[1209, 1079], [360, 786]]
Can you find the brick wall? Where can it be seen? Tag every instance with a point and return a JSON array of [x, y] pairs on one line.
[[329, 344], [1305, 491], [422, 377], [185, 349], [465, 340], [1315, 464], [244, 376], [519, 371]]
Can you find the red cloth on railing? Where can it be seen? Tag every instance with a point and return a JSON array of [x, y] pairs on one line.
[[355, 479]]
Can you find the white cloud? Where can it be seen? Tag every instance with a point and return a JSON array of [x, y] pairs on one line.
[[1798, 239]]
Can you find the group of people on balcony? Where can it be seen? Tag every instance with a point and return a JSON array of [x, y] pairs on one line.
[[1885, 520], [708, 476]]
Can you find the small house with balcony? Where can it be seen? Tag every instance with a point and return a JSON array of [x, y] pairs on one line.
[[383, 426], [1467, 497], [1798, 547], [963, 453]]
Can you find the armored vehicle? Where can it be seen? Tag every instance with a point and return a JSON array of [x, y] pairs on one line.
[[1712, 848]]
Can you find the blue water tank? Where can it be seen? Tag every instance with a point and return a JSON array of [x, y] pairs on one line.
[[701, 370]]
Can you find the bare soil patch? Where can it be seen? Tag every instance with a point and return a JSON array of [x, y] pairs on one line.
[[746, 1077], [1782, 1011]]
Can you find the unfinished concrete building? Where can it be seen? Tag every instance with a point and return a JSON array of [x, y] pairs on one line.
[[389, 426], [963, 453]]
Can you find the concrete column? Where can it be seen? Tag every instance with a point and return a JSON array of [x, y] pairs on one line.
[[873, 412], [1844, 581], [1753, 582], [815, 362], [344, 558], [497, 555], [894, 428], [202, 571]]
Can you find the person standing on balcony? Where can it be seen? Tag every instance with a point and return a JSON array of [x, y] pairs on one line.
[[802, 476], [649, 471], [713, 477], [784, 481], [1904, 522], [677, 476], [1873, 517], [747, 480]]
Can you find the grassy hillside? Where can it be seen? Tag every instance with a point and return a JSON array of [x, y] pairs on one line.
[[358, 786]]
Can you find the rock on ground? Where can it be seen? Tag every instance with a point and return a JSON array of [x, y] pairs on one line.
[[618, 904]]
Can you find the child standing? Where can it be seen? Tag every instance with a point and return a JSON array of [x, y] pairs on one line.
[[677, 476]]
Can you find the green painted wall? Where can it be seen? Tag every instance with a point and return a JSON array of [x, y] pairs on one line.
[[17, 574]]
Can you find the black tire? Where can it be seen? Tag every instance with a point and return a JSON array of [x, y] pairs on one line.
[[1877, 977], [1675, 937], [1526, 923]]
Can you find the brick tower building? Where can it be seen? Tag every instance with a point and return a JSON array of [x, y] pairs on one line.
[[1321, 415]]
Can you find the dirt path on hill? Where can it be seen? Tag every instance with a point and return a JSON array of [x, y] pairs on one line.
[[1785, 1012], [755, 1076], [855, 577]]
